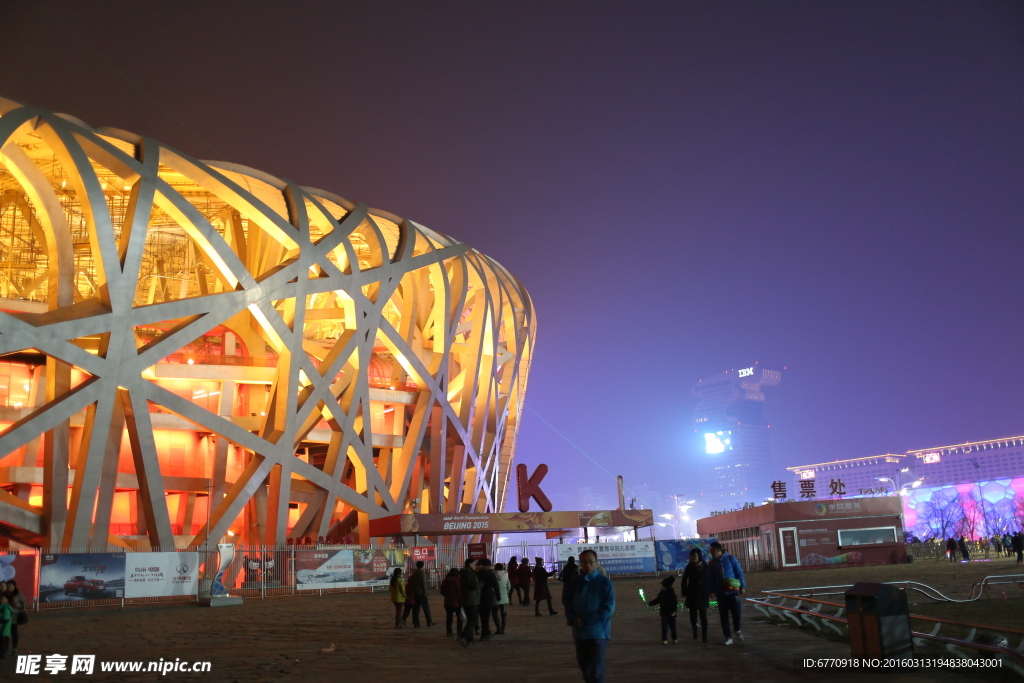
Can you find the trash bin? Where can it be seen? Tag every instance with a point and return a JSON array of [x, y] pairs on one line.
[[879, 620]]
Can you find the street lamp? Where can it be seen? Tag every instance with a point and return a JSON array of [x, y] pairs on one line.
[[680, 508], [903, 490]]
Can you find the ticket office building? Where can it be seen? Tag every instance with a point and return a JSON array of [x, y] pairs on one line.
[[812, 534]]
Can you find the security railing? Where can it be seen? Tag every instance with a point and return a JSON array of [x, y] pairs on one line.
[[978, 589], [775, 609]]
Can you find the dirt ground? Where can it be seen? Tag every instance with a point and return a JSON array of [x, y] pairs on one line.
[[284, 639]]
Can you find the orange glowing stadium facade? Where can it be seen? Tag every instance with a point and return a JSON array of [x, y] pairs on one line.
[[190, 350]]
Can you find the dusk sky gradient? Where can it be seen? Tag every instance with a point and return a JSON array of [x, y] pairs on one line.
[[684, 188]]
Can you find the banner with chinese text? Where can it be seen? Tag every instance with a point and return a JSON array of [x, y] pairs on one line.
[[319, 569], [152, 575], [616, 558]]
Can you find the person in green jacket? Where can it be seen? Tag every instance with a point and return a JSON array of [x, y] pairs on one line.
[[397, 591], [469, 598], [18, 606], [6, 620]]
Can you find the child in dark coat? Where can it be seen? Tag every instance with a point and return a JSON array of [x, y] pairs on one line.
[[667, 603]]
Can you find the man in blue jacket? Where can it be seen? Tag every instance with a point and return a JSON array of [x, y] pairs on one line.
[[728, 584], [590, 615]]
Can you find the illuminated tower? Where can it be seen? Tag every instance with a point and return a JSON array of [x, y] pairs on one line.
[[735, 459]]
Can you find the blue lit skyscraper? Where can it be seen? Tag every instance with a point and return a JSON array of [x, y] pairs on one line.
[[735, 459]]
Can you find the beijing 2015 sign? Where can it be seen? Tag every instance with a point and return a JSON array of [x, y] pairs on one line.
[[746, 372]]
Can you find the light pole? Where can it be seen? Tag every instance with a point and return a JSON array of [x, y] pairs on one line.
[[680, 508], [902, 491]]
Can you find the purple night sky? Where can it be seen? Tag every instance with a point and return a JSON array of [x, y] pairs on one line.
[[684, 188]]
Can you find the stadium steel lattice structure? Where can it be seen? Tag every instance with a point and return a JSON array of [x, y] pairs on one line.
[[179, 336]]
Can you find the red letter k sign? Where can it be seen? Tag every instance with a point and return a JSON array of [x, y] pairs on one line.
[[529, 487]]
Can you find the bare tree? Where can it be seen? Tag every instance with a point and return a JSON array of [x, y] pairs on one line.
[[942, 512]]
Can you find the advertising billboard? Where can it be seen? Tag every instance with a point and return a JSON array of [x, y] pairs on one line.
[[717, 442], [81, 576], [22, 570], [675, 554], [152, 575], [319, 569], [616, 558]]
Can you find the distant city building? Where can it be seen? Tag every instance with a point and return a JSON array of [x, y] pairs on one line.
[[736, 458], [593, 500], [963, 463], [971, 489], [969, 462], [857, 476]]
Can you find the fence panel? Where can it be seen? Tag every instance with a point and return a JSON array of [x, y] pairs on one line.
[[51, 580]]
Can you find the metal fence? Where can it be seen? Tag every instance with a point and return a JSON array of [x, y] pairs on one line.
[[269, 571], [937, 551]]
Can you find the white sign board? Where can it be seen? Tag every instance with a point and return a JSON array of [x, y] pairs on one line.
[[616, 558], [152, 575]]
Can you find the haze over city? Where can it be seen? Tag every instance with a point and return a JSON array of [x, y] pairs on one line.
[[682, 189]]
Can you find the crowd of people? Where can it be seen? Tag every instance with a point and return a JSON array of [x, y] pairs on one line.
[[12, 615], [477, 597], [721, 578], [1006, 544]]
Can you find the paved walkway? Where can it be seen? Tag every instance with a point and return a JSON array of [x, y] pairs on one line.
[[282, 639]]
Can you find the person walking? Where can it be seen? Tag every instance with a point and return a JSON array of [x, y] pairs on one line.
[[469, 598], [1017, 545], [1007, 543], [513, 580], [396, 588], [418, 588], [983, 545], [951, 549], [997, 544], [524, 575], [728, 585], [667, 603], [504, 591], [964, 554], [590, 615], [696, 581], [568, 578], [540, 588], [450, 591], [17, 601], [489, 596]]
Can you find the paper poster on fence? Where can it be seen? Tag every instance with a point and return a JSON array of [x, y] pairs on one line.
[[617, 558], [81, 576], [152, 575], [320, 569], [20, 568]]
